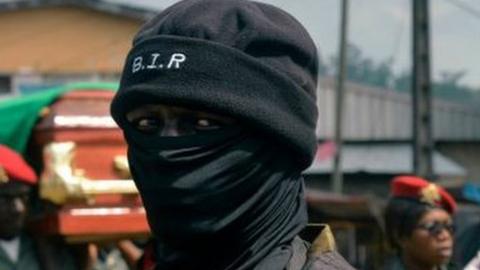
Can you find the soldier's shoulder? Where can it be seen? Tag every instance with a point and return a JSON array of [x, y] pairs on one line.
[[323, 254], [331, 260]]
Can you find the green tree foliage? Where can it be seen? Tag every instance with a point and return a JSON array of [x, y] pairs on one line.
[[403, 81], [449, 87], [364, 70]]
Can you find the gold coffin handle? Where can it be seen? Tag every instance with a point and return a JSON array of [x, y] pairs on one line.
[[60, 183]]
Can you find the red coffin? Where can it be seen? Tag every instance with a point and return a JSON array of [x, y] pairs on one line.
[[85, 193]]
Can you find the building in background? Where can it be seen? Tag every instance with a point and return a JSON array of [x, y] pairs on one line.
[[377, 147], [378, 134], [48, 43]]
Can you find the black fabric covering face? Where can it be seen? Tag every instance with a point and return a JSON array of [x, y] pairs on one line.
[[251, 61], [222, 200]]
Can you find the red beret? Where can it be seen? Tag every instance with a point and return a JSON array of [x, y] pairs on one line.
[[13, 167], [422, 190]]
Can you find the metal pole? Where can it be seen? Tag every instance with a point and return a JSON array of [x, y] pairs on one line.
[[421, 92], [337, 177]]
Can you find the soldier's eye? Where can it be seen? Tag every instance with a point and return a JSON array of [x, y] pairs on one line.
[[205, 124], [147, 124], [190, 124]]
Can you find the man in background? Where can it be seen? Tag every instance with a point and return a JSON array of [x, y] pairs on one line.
[[19, 249]]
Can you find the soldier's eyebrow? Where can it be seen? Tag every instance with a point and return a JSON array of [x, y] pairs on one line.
[[143, 111]]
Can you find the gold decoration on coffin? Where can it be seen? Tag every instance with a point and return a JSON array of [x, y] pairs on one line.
[[61, 183], [3, 176], [120, 163], [430, 194]]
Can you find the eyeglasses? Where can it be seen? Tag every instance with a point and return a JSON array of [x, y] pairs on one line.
[[435, 228]]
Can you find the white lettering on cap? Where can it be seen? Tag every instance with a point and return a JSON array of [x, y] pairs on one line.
[[156, 61]]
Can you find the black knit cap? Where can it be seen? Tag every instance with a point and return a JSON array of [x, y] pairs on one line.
[[248, 60]]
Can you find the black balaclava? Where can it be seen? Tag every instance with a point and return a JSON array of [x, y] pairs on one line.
[[221, 200], [230, 198]]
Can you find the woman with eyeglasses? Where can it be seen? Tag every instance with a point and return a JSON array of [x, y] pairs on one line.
[[419, 225]]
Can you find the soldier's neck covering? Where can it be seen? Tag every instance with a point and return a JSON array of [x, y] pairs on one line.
[[226, 199]]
